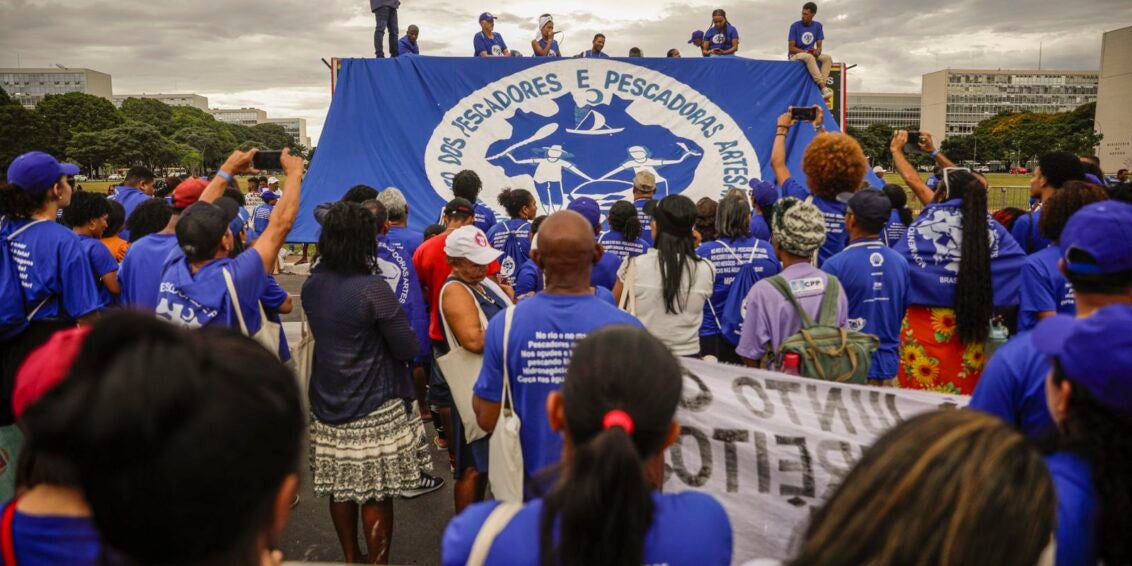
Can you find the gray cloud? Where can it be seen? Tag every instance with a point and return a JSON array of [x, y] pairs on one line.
[[266, 53]]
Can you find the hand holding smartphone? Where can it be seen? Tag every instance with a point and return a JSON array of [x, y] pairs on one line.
[[267, 160], [913, 145], [803, 113]]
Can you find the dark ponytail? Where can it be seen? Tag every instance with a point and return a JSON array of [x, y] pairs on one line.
[[602, 502], [974, 297], [899, 201], [675, 217], [623, 218], [513, 201]]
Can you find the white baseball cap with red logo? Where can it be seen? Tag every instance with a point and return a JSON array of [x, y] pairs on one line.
[[470, 243]]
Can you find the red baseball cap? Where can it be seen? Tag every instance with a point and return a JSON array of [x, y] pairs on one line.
[[46, 367], [188, 193]]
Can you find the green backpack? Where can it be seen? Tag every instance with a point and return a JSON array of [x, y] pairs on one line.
[[826, 351]]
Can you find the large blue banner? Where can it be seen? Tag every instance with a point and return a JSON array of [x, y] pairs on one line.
[[561, 128]]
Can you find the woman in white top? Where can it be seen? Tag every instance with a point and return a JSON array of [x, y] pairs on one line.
[[668, 286]]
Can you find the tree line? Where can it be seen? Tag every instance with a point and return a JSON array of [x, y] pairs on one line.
[[90, 132]]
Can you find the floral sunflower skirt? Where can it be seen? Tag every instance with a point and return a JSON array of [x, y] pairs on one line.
[[370, 459], [933, 358]]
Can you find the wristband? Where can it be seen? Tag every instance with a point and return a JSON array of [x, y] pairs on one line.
[[935, 153], [224, 175]]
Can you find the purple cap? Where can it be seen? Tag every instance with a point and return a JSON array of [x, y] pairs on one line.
[[35, 172], [1095, 240], [764, 192], [487, 17], [1094, 352], [696, 35], [588, 208]]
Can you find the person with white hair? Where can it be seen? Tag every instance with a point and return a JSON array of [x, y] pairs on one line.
[[544, 44]]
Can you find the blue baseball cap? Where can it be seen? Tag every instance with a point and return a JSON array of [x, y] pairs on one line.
[[696, 35], [1094, 352], [869, 204], [487, 17], [589, 208], [35, 172], [268, 195], [1096, 239], [764, 192]]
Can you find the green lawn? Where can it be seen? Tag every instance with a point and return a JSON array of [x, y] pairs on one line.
[[1005, 190]]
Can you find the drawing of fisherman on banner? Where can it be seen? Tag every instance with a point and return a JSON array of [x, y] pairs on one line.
[[549, 163], [641, 159]]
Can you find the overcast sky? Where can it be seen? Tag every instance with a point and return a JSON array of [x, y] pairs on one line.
[[265, 53]]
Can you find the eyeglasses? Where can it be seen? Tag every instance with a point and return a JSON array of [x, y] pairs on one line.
[[946, 180]]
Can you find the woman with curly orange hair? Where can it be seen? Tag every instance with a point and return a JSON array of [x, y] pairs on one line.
[[833, 164]]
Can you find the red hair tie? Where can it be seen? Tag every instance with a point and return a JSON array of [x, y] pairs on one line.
[[620, 418]]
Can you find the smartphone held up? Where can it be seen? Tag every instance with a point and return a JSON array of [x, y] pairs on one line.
[[804, 113], [268, 160]]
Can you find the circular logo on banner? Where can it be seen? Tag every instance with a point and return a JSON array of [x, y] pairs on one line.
[[807, 38], [584, 128]]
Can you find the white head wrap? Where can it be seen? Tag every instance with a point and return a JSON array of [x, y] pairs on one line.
[[542, 21]]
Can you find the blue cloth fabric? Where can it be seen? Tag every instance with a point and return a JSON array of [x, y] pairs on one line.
[[728, 255], [513, 238], [140, 273], [260, 216], [396, 249], [543, 333], [614, 243], [1027, 234], [1077, 510], [717, 39], [806, 37], [836, 237], [102, 262], [876, 280], [1013, 387], [129, 198], [201, 299], [554, 51], [48, 540], [589, 53], [646, 220], [485, 217], [688, 528], [528, 279], [495, 46], [54, 270], [273, 297], [1044, 288], [406, 47], [894, 230], [759, 227], [604, 273]]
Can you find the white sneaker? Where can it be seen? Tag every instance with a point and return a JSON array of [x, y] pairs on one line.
[[426, 484], [826, 92]]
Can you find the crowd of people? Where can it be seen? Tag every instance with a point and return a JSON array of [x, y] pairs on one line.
[[141, 355], [720, 39]]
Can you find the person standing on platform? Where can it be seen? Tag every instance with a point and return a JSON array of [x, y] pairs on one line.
[[544, 44], [721, 38], [636, 52], [805, 44], [698, 41], [596, 51], [487, 43], [408, 44], [385, 12]]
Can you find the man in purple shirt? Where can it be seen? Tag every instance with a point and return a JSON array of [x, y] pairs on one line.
[[769, 318], [136, 189]]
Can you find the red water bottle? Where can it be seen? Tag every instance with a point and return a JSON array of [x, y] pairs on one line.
[[791, 364]]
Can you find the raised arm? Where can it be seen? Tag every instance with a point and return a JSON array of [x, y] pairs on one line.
[[927, 145], [239, 162], [283, 217], [906, 170], [778, 152], [539, 50]]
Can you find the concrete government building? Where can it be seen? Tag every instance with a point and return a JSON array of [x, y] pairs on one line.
[[901, 110], [28, 86], [193, 100], [1114, 101], [954, 101]]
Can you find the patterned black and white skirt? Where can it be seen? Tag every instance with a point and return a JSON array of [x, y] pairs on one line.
[[370, 459]]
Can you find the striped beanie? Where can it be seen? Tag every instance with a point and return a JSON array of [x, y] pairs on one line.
[[798, 227]]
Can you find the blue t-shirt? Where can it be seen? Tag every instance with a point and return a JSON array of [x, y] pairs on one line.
[[406, 47], [54, 271], [399, 272], [604, 273], [1013, 388], [404, 240], [53, 539], [201, 299], [688, 528], [515, 255], [544, 330], [529, 279], [614, 243], [876, 281], [894, 230], [1044, 288], [728, 256], [140, 274], [495, 46], [1077, 509], [646, 220], [129, 198], [1026, 232], [273, 297], [589, 53], [260, 216], [724, 39], [101, 262], [806, 37], [759, 227], [836, 237], [485, 217], [554, 52]]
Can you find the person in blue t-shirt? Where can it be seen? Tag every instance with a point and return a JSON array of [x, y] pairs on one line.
[[544, 44], [1053, 171], [195, 285], [804, 43], [604, 272], [1097, 268], [487, 43], [875, 279], [623, 239], [87, 216], [408, 44], [1045, 291], [467, 185], [763, 197], [901, 218], [721, 38], [513, 237], [1090, 399], [596, 51], [528, 278], [644, 190], [608, 507], [137, 188], [733, 248], [833, 164], [262, 214], [698, 41], [541, 336]]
